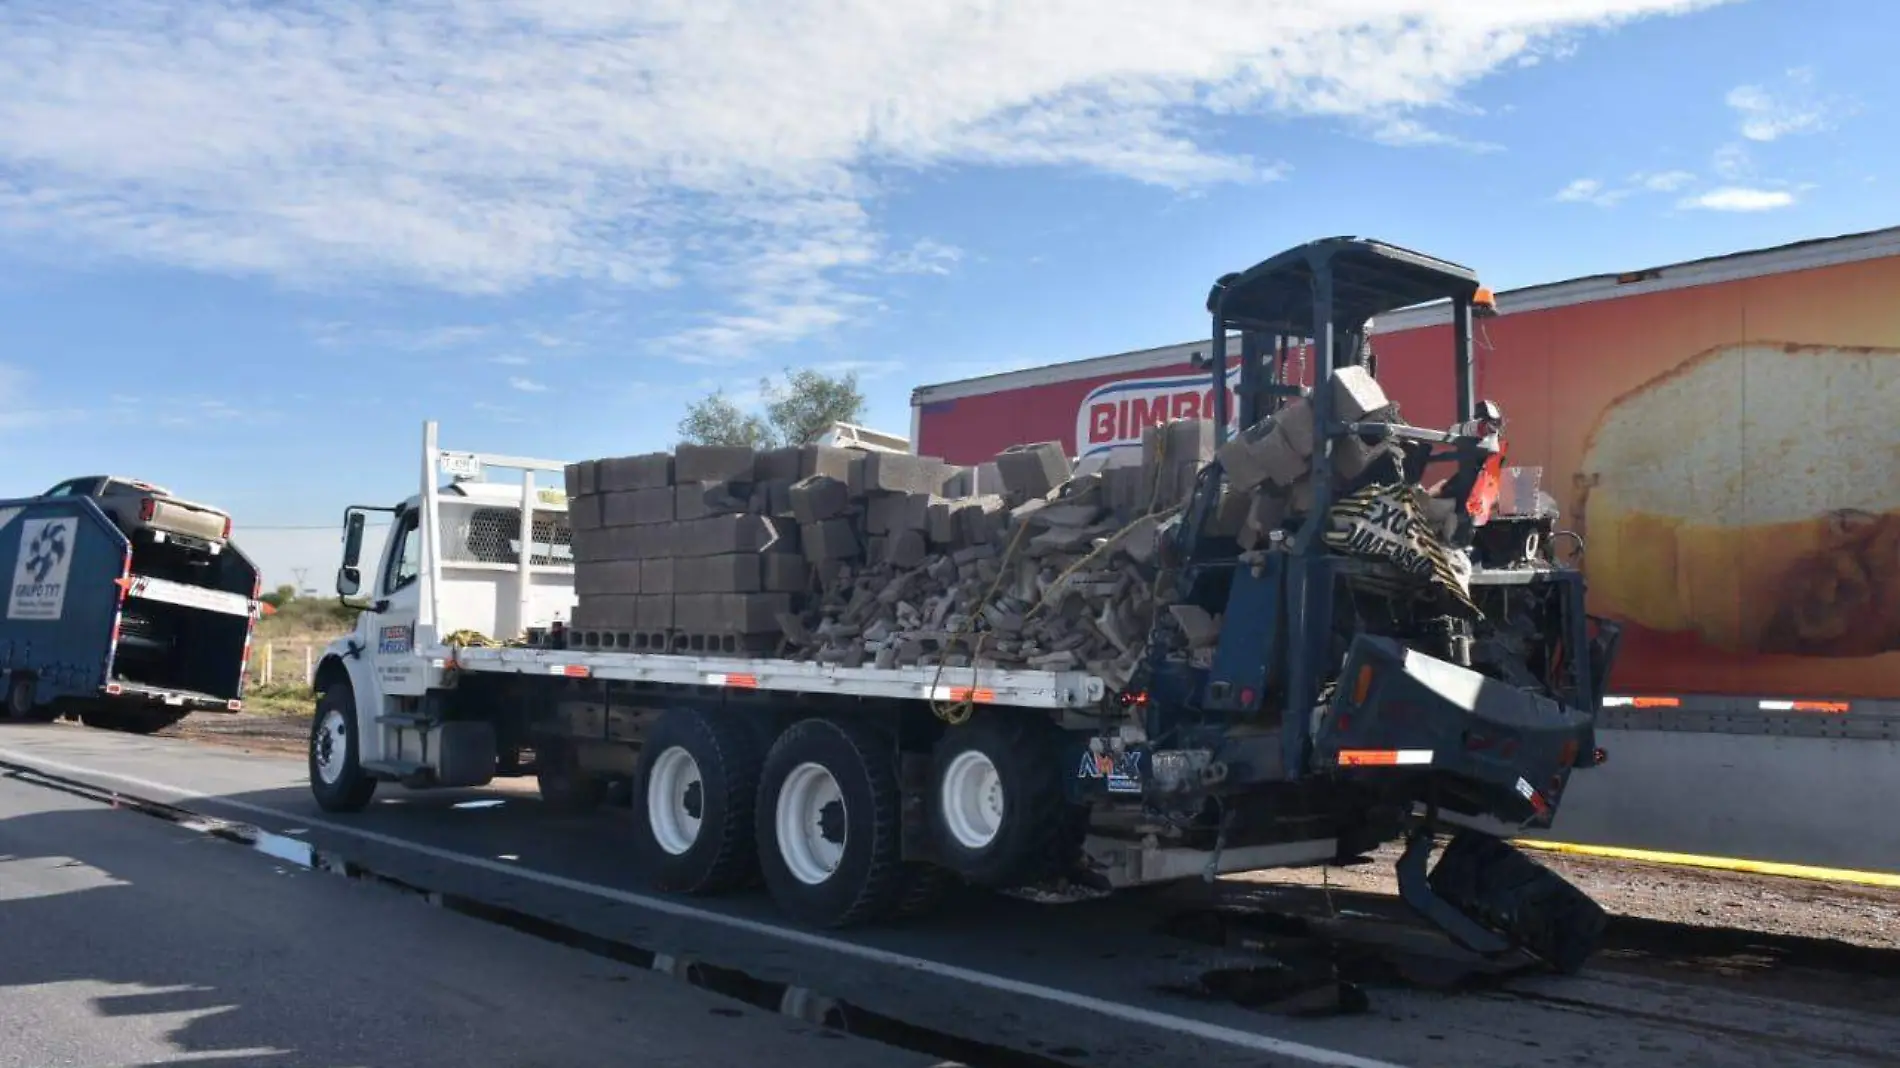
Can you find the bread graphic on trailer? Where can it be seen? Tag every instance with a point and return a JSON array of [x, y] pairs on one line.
[[1751, 496]]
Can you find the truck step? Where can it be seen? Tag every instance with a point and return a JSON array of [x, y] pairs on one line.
[[398, 769], [404, 719]]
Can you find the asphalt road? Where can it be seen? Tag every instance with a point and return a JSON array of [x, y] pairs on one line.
[[125, 940], [1101, 984]]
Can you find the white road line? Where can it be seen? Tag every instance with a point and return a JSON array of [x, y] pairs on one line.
[[1233, 1036]]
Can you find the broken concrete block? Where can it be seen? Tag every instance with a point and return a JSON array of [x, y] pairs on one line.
[[1028, 471], [906, 549], [819, 498], [902, 472], [1230, 516], [1201, 629], [779, 499], [714, 463], [830, 539], [622, 473], [1295, 424], [634, 508], [697, 500], [728, 573]]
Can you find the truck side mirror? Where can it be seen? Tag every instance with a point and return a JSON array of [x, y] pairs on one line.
[[353, 541], [349, 580]]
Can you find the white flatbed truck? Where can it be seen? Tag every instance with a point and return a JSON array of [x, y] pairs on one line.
[[832, 783]]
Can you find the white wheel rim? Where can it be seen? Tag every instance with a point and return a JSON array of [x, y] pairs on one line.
[[332, 742], [804, 801], [972, 800], [676, 796]]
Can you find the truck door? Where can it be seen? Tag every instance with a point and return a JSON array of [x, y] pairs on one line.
[[399, 600]]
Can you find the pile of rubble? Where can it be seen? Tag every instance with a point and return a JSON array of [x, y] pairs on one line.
[[864, 558]]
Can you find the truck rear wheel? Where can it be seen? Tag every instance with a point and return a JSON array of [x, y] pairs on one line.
[[997, 814], [693, 794], [830, 845], [336, 771]]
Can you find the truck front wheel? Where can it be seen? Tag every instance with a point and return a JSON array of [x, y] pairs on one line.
[[336, 771], [830, 841], [692, 794]]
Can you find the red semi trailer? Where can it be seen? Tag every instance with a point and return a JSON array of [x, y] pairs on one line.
[[1723, 435]]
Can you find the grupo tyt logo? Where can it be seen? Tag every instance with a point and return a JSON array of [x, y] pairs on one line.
[[45, 551]]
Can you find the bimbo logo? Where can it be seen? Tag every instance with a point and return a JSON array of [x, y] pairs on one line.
[[1114, 413]]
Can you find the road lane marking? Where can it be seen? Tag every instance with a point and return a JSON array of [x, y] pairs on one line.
[[1233, 1036]]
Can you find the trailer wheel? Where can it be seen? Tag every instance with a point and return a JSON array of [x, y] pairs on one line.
[[20, 704], [998, 815], [565, 788], [1534, 907], [693, 793], [336, 772], [828, 826]]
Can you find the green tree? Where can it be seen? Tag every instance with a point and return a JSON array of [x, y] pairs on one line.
[[796, 411], [280, 596]]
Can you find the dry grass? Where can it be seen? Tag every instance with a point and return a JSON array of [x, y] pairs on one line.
[[284, 636]]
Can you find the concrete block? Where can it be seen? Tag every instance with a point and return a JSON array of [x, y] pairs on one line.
[[729, 573], [1122, 491], [1027, 471], [718, 534], [1356, 394], [590, 544], [607, 577], [1230, 516], [778, 498], [580, 479], [714, 463], [783, 464], [961, 482], [622, 473], [988, 479], [902, 472], [729, 613], [830, 539], [615, 611], [634, 508], [583, 513], [1262, 456], [1295, 424], [828, 460], [641, 543], [887, 513], [874, 548], [982, 520], [653, 612], [784, 573], [941, 522], [697, 500], [819, 498], [656, 575], [586, 614]]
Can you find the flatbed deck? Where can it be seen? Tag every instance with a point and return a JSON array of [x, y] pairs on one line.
[[1018, 689]]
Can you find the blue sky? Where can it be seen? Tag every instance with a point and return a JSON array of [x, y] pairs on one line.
[[246, 248]]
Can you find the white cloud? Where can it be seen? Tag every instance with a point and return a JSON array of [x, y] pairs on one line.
[[1740, 198], [510, 360], [1590, 191], [926, 257], [1663, 181], [485, 147], [526, 385], [1769, 115]]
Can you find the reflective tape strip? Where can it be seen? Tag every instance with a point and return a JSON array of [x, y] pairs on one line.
[[976, 696], [1824, 707], [572, 671], [739, 682], [1384, 757]]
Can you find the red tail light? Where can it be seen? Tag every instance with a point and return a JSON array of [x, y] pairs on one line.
[[147, 508], [227, 529]]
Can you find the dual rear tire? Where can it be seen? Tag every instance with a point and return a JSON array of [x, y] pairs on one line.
[[817, 814]]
